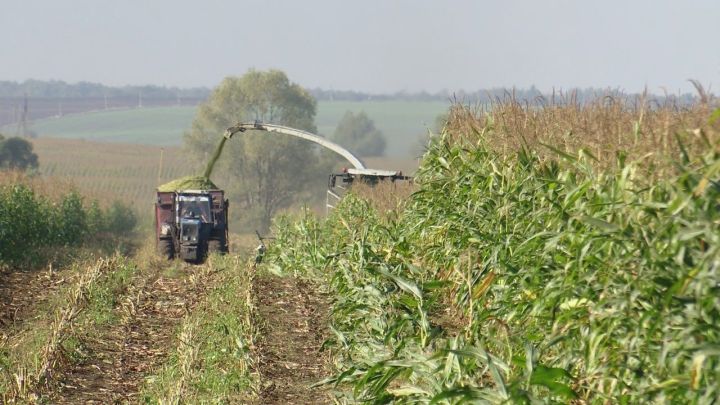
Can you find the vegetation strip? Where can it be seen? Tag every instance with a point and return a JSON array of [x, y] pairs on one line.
[[213, 357], [293, 315], [117, 355]]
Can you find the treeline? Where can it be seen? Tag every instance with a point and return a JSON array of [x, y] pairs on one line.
[[60, 89], [57, 89], [30, 222], [491, 95]]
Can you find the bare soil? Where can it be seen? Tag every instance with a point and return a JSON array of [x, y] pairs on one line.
[[112, 361], [23, 292], [118, 359], [294, 317]]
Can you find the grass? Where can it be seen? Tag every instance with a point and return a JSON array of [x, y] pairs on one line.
[[403, 122], [527, 274]]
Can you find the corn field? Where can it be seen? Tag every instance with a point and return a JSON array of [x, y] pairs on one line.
[[529, 271], [109, 171], [35, 221]]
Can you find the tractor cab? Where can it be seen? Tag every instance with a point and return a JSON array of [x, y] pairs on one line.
[[195, 206], [194, 217]]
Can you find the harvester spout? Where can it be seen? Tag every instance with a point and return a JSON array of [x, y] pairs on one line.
[[242, 127]]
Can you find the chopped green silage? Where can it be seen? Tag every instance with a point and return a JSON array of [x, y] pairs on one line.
[[189, 183]]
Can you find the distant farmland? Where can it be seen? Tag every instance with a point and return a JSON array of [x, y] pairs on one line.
[[153, 125], [131, 172], [109, 171], [403, 123]]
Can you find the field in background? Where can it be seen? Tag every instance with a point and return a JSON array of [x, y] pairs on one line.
[[130, 172], [110, 171], [403, 122], [152, 125]]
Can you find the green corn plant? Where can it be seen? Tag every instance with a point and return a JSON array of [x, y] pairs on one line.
[[516, 278]]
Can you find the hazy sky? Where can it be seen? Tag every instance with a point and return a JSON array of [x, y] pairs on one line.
[[367, 45]]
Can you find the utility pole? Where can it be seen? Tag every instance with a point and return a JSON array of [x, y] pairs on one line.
[[140, 99], [23, 123], [160, 167]]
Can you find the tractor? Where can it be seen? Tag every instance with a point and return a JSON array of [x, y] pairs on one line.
[[190, 224]]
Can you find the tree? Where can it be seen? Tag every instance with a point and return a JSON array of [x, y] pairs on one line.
[[357, 132], [265, 172], [17, 154], [422, 140]]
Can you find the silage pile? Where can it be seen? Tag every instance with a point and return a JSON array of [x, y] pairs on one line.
[[189, 183]]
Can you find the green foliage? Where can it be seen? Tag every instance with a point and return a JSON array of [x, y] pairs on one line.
[[17, 154], [512, 279], [357, 132], [120, 218], [29, 222], [263, 171]]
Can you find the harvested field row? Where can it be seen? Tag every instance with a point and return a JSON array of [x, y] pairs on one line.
[[294, 316], [119, 356]]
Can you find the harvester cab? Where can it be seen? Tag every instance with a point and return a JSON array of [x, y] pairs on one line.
[[358, 172], [367, 176]]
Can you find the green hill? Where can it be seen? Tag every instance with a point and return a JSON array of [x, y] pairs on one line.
[[403, 123]]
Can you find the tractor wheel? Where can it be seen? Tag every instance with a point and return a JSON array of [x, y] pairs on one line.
[[216, 246], [166, 248]]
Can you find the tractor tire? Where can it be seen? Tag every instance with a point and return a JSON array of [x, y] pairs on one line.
[[166, 248], [216, 246]]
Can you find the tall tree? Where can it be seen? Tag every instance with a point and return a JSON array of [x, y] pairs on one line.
[[265, 172], [357, 132], [17, 154]]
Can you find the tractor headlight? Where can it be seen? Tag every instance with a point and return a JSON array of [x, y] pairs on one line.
[[165, 229]]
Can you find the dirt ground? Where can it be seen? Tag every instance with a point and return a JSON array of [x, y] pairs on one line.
[[115, 359], [294, 316], [120, 357], [22, 292]]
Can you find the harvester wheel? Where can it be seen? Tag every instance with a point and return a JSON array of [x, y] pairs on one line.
[[166, 248]]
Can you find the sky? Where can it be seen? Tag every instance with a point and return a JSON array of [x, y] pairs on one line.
[[377, 46]]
